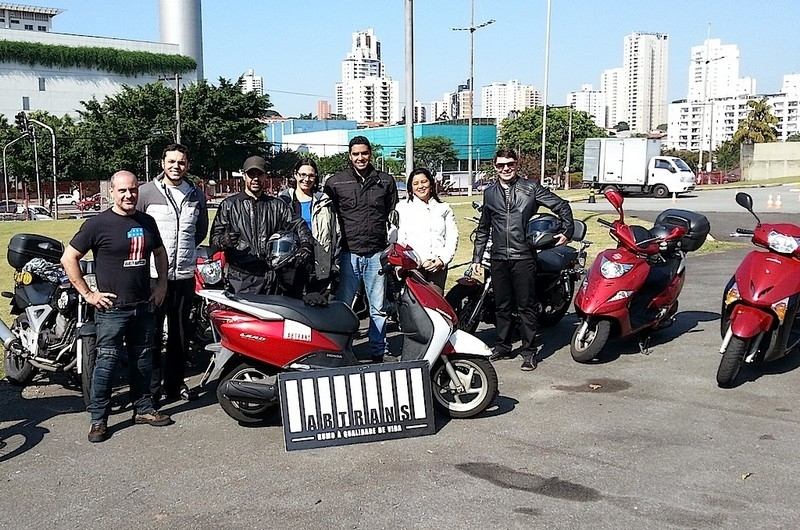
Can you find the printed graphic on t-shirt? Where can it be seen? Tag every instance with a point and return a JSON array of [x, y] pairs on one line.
[[136, 250]]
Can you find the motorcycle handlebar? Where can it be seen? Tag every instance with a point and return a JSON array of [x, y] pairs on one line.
[[603, 222], [747, 231]]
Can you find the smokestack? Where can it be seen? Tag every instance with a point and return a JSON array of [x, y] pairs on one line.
[[181, 23]]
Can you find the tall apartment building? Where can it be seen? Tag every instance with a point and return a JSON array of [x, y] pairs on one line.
[[590, 101], [323, 109], [644, 66], [366, 93], [420, 113], [250, 82], [714, 72], [612, 85], [500, 99], [440, 110]]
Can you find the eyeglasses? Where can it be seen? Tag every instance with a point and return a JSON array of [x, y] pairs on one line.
[[255, 174], [306, 176], [509, 165]]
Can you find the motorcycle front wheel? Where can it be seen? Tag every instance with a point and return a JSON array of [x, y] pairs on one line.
[[463, 298], [587, 346], [731, 362], [241, 411], [474, 392], [18, 370]]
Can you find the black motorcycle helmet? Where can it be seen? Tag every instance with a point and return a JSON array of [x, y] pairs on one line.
[[662, 231], [282, 248], [541, 231]]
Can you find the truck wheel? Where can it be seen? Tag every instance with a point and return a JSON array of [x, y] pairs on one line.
[[609, 188], [660, 191]]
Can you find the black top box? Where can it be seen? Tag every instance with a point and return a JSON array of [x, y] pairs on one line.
[[25, 247], [699, 227]]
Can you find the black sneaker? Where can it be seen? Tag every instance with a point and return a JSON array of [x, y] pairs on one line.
[[500, 355], [528, 364], [376, 359], [187, 394], [98, 432], [154, 418]]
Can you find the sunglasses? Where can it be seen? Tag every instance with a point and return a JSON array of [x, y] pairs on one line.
[[510, 165]]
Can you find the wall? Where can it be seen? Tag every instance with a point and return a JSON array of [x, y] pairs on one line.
[[771, 160]]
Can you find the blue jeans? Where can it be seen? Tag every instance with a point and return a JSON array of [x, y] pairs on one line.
[[128, 330], [355, 270]]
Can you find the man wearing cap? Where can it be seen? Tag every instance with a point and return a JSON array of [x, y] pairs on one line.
[[245, 222], [363, 197]]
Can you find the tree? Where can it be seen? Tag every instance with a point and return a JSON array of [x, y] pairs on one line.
[[794, 137], [305, 117], [623, 126], [662, 127], [727, 155], [524, 134], [330, 165], [431, 152], [759, 126]]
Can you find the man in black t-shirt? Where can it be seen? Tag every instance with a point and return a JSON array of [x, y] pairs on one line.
[[121, 240]]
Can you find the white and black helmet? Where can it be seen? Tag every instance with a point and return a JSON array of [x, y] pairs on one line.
[[542, 229], [282, 248]]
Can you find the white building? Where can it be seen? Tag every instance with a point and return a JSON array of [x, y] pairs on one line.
[[644, 66], [613, 87], [440, 110], [593, 102], [420, 112], [791, 84], [366, 93], [250, 82], [714, 72], [55, 89], [501, 99]]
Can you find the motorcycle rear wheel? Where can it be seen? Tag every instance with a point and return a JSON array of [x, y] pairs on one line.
[[240, 411], [557, 304], [476, 375], [731, 362], [88, 360], [462, 298], [18, 370], [594, 340]]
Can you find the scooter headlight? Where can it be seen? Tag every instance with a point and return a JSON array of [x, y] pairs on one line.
[[612, 269], [781, 243], [211, 272], [621, 295], [732, 295]]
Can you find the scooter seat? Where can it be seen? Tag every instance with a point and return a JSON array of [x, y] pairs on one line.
[[337, 317], [555, 259]]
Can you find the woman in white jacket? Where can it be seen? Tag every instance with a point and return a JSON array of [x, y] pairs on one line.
[[428, 225]]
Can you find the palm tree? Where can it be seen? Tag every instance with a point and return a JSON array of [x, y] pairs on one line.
[[759, 127]]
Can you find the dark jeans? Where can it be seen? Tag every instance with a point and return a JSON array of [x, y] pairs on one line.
[[175, 310], [515, 286], [123, 330]]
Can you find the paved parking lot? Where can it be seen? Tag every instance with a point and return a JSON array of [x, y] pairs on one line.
[[633, 441]]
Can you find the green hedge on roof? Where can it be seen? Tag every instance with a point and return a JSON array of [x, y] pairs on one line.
[[124, 62]]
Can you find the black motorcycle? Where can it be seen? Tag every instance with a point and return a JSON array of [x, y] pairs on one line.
[[558, 270], [54, 328]]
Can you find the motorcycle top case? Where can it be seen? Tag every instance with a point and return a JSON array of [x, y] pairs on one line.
[[24, 247], [699, 227]]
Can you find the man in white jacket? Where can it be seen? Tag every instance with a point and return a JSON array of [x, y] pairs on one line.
[[179, 208]]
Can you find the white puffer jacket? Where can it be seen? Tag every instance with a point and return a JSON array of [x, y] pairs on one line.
[[182, 226]]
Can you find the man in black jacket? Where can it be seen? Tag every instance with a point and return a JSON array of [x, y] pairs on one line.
[[508, 205], [363, 197], [244, 224]]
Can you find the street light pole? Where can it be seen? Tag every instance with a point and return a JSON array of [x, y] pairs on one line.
[[55, 187], [544, 95], [472, 27], [177, 105], [36, 168], [569, 146], [5, 169]]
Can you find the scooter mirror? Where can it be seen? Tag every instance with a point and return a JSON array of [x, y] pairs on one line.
[[745, 201], [477, 205], [615, 198]]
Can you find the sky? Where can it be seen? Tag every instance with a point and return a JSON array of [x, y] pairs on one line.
[[297, 46]]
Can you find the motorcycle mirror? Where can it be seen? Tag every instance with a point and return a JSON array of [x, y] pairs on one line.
[[745, 201], [615, 198]]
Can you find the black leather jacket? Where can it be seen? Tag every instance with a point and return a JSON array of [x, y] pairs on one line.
[[255, 220], [507, 220]]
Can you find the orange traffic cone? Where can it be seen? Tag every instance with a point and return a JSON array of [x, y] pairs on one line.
[[778, 203], [770, 204]]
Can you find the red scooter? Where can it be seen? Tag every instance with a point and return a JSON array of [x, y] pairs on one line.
[[634, 287], [759, 318], [263, 335]]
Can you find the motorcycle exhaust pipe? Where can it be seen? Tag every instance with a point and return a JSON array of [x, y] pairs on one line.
[[250, 391], [6, 337]]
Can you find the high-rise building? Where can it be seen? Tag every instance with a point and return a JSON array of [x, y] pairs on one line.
[[323, 110], [501, 99], [611, 84], [714, 72], [592, 102], [250, 82], [791, 84], [440, 110], [420, 113], [644, 66], [366, 93]]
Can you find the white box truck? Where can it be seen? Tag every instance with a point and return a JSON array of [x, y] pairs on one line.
[[634, 165]]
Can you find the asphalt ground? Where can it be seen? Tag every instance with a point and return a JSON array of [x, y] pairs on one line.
[[632, 441]]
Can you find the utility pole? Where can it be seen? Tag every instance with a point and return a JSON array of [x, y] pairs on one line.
[[569, 147], [472, 27], [177, 105], [409, 41], [544, 95], [55, 186]]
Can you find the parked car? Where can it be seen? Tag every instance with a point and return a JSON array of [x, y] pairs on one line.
[[89, 203], [34, 213], [63, 199], [9, 206]]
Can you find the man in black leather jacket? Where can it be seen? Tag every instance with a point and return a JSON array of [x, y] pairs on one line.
[[508, 205], [243, 225]]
